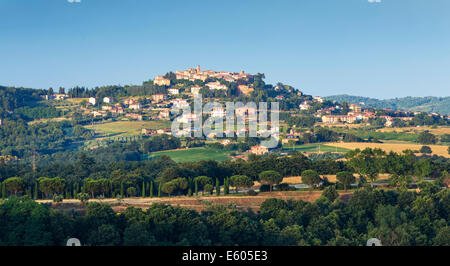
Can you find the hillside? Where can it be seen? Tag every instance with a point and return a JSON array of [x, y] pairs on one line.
[[427, 104]]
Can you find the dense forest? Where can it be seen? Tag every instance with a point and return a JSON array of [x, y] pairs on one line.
[[395, 217], [440, 105]]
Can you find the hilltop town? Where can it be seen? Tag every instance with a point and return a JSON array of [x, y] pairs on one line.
[[114, 147]]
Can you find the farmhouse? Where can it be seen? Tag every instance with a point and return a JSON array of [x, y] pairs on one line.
[[148, 132], [259, 150]]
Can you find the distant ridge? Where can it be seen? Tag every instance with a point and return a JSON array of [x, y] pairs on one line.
[[426, 104]]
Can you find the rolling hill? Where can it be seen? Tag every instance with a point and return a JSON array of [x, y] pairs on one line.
[[426, 104]]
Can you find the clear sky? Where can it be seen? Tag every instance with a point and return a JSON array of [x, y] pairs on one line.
[[384, 49]]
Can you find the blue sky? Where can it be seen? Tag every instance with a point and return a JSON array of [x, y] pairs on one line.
[[393, 48]]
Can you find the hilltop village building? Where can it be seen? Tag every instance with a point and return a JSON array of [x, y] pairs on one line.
[[195, 90], [158, 97], [173, 91], [216, 86], [193, 74], [161, 81]]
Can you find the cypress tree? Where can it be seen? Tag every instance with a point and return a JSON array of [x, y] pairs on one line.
[[143, 189], [226, 188], [159, 190], [196, 188], [35, 190], [121, 189], [151, 189], [217, 187]]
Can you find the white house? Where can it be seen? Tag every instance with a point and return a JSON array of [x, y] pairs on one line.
[[318, 99], [135, 106], [216, 86], [180, 103], [92, 100], [173, 91], [107, 100]]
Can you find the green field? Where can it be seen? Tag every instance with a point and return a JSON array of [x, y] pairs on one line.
[[194, 154], [314, 148], [127, 128], [393, 136]]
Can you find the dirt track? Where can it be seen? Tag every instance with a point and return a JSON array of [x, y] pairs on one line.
[[199, 203]]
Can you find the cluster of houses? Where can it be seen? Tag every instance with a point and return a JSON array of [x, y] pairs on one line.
[[193, 74], [358, 114], [117, 108], [55, 97], [307, 104]]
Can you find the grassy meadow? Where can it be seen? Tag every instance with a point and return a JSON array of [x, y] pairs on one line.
[[315, 148], [194, 154], [127, 128]]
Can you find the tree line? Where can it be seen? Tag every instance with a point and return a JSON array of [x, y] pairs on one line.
[[396, 217], [163, 177]]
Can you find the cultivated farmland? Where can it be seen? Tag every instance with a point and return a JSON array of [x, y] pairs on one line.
[[395, 147]]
